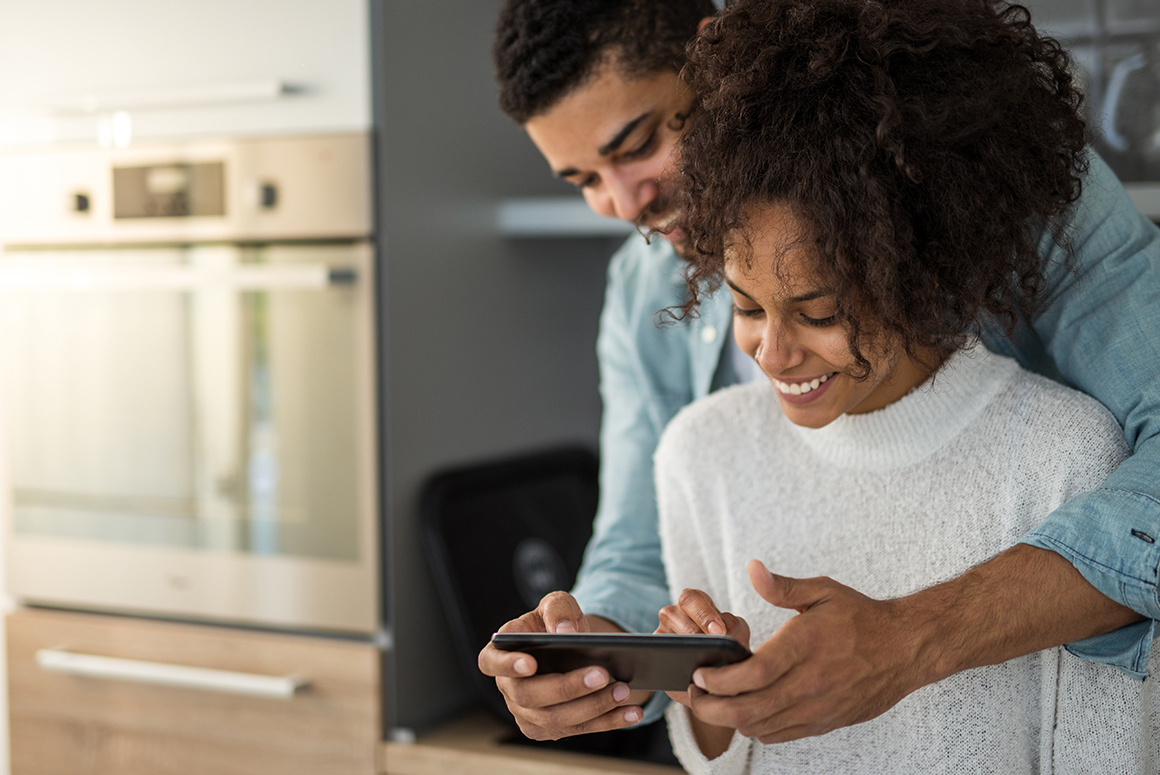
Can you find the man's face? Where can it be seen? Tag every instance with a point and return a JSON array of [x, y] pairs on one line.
[[612, 138]]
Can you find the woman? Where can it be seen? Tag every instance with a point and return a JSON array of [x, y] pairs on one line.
[[867, 180]]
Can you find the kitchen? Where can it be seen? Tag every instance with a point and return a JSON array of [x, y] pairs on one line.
[[483, 333]]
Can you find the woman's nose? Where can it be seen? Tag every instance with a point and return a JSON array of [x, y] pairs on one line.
[[776, 352]]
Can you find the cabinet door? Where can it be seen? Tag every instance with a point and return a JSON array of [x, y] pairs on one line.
[[69, 722]]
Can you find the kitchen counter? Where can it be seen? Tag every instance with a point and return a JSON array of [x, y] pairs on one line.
[[472, 746]]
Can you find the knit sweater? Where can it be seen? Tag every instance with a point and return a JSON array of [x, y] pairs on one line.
[[888, 503]]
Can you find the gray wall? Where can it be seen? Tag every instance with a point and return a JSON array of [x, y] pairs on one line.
[[489, 341]]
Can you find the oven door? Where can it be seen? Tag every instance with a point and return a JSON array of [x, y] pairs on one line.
[[190, 431]]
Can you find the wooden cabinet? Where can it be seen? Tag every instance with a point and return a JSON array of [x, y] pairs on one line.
[[76, 724]]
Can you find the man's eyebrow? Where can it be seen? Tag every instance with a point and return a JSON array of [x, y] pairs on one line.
[[610, 146], [624, 132]]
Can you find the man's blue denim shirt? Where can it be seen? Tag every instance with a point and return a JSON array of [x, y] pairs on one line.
[[1099, 333]]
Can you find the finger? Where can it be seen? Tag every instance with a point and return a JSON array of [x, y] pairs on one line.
[[602, 709], [615, 718], [561, 613], [681, 697], [511, 664], [545, 691], [674, 620], [736, 628], [771, 662], [699, 607], [498, 663], [786, 592]]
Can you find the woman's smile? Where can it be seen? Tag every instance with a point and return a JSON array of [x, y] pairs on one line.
[[802, 391]]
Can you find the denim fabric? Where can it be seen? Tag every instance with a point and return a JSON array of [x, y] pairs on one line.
[[1100, 333]]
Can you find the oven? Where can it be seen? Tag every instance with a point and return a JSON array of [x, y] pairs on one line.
[[188, 381]]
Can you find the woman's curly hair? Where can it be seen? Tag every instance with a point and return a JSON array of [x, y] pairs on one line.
[[925, 143]]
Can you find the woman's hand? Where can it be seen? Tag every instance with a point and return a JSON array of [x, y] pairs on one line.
[[696, 614], [548, 707]]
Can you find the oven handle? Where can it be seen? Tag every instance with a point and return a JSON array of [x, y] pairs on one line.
[[226, 681], [184, 278]]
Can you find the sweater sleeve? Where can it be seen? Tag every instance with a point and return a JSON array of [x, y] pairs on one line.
[[684, 547], [734, 761]]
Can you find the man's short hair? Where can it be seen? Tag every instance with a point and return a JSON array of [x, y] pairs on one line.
[[544, 49]]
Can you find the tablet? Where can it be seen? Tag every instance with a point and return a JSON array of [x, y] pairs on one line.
[[652, 662]]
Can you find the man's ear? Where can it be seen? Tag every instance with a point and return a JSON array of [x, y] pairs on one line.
[[701, 24]]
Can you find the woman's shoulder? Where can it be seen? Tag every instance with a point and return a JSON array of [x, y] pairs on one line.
[[728, 417], [1056, 418]]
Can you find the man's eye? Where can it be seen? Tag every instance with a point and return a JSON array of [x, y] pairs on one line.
[[644, 149]]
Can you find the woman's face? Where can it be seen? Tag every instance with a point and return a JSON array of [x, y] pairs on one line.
[[784, 318]]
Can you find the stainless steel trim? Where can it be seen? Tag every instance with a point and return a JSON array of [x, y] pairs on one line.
[[244, 278]]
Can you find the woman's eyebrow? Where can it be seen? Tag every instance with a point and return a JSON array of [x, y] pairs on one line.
[[810, 296], [738, 290]]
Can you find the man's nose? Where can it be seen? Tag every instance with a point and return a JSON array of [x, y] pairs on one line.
[[628, 197]]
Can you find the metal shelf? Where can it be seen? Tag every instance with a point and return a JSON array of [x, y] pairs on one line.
[[555, 216]]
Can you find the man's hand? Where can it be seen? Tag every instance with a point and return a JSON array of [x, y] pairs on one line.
[[846, 658], [548, 707], [841, 661]]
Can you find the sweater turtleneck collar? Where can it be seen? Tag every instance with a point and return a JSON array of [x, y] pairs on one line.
[[918, 424]]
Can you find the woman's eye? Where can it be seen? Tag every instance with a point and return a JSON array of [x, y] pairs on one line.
[[586, 182], [820, 322], [746, 313]]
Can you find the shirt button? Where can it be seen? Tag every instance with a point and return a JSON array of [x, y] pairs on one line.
[[709, 334]]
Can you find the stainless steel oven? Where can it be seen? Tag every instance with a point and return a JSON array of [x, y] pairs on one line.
[[187, 381]]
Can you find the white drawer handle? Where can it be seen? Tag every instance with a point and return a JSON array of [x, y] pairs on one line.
[[228, 681]]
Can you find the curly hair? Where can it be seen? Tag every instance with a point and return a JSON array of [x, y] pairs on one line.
[[925, 143], [544, 49]]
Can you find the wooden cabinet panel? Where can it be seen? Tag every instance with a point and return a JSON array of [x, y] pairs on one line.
[[62, 723]]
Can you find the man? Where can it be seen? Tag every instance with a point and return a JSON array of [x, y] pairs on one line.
[[594, 83]]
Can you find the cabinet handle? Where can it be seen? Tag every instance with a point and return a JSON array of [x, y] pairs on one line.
[[227, 681]]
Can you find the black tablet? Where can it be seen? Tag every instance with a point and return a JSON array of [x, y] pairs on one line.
[[653, 662]]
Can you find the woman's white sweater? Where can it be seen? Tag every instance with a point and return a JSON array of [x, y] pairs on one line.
[[888, 503]]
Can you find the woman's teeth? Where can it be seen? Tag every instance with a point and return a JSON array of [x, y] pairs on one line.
[[797, 388]]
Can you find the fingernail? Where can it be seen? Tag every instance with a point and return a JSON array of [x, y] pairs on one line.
[[632, 716], [699, 681], [593, 679], [620, 692], [715, 628], [565, 626], [522, 666]]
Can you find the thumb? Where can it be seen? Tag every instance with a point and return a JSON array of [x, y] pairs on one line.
[[783, 591]]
